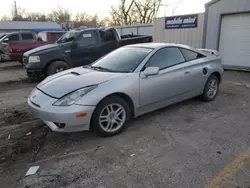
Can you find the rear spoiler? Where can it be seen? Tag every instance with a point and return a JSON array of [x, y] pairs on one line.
[[209, 52]]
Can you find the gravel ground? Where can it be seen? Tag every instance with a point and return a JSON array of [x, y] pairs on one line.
[[185, 145], [10, 65], [12, 75]]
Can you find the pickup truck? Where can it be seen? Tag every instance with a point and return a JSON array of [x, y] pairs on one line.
[[75, 48], [21, 42]]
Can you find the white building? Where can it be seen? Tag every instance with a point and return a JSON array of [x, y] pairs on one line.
[[10, 26], [227, 29]]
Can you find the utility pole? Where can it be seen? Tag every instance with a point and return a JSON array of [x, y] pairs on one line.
[[15, 7]]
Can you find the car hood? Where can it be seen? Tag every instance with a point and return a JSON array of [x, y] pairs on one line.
[[41, 48], [70, 80]]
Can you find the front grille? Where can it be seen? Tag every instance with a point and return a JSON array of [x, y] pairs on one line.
[[25, 59]]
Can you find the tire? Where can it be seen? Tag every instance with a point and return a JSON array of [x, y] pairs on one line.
[[35, 78], [208, 96], [56, 66], [1, 56], [101, 128]]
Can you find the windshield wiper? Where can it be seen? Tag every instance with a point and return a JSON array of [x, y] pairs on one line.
[[102, 68]]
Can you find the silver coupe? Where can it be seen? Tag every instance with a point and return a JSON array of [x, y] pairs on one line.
[[126, 83]]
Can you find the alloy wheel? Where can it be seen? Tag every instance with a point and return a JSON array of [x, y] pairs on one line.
[[60, 69], [212, 88], [112, 117]]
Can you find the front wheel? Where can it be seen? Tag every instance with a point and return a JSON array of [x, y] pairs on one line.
[[211, 89], [110, 116], [57, 66]]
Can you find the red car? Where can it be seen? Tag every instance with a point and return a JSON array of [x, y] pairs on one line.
[[21, 42]]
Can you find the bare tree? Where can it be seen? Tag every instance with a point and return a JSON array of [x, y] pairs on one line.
[[122, 14], [5, 18], [36, 16], [134, 11], [104, 22], [60, 15], [17, 13], [147, 9], [84, 19]]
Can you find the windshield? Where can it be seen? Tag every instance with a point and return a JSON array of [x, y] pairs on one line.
[[2, 35], [124, 59], [67, 37]]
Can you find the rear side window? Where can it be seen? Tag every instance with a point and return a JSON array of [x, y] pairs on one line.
[[27, 36], [13, 38], [190, 55], [107, 36], [55, 36], [166, 57], [86, 39]]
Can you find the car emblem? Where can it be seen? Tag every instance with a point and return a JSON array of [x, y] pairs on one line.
[[34, 96]]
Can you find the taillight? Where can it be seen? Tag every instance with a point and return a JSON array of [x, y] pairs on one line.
[[151, 40], [9, 49]]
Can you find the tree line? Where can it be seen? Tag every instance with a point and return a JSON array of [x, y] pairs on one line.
[[126, 12]]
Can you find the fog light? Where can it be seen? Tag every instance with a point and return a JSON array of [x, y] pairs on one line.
[[60, 125]]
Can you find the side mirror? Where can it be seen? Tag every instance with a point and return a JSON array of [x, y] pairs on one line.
[[150, 71], [6, 39], [74, 45]]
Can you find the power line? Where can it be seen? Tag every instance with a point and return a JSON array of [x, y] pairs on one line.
[[177, 6]]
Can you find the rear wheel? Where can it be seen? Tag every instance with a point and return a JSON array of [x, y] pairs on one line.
[[211, 89], [57, 66], [110, 116]]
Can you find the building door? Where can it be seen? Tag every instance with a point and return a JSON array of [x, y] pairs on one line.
[[234, 43]]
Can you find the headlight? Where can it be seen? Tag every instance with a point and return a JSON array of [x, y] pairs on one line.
[[71, 98], [34, 59]]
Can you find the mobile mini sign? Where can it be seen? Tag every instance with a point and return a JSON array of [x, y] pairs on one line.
[[181, 22]]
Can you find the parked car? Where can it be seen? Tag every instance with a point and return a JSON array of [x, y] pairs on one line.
[[126, 83], [3, 52], [21, 42], [2, 35], [3, 49], [76, 48]]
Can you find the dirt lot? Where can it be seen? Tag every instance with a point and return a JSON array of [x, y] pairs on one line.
[[185, 145]]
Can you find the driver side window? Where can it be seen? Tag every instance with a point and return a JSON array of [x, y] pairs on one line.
[[86, 38], [166, 57], [13, 38]]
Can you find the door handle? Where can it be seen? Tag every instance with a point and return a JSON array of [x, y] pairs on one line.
[[187, 72]]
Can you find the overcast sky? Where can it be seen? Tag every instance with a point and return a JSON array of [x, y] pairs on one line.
[[97, 6]]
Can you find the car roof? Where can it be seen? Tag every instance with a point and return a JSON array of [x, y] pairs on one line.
[[154, 45], [52, 32], [19, 32]]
